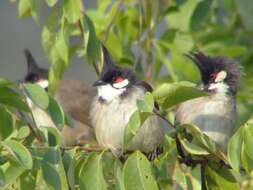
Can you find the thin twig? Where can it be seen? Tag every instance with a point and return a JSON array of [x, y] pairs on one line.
[[112, 21], [164, 118], [85, 149], [203, 176]]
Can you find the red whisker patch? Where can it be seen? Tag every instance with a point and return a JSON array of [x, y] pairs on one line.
[[214, 75], [119, 79]]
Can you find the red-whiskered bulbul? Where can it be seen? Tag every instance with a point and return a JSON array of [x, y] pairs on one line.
[[118, 89], [75, 97], [215, 114]]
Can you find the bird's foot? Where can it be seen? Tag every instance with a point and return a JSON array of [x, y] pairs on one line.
[[153, 155]]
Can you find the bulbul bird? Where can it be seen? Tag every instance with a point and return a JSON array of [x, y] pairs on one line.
[[215, 115], [118, 89], [75, 97]]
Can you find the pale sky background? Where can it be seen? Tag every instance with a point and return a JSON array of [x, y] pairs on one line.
[[17, 34]]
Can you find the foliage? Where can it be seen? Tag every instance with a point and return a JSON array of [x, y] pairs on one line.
[[150, 37]]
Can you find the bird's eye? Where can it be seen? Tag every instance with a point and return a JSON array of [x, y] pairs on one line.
[[118, 79], [214, 75]]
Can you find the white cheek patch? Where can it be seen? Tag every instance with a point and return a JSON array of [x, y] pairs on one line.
[[107, 92], [219, 87], [220, 76], [121, 84], [43, 83]]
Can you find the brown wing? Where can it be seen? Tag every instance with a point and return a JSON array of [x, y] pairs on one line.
[[76, 97]]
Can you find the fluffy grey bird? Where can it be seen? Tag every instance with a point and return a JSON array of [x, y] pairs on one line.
[[118, 89], [75, 97], [215, 114]]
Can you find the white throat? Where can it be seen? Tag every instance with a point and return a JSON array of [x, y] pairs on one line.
[[43, 83], [219, 87], [108, 93]]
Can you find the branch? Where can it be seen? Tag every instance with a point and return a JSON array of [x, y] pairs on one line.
[[164, 118], [203, 177], [85, 149]]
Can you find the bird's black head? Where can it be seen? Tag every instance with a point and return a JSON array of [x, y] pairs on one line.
[[217, 73], [113, 80], [35, 74]]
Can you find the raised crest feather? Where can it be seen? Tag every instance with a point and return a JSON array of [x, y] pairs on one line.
[[31, 63], [209, 65]]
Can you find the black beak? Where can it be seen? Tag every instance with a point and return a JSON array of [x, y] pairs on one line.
[[98, 83]]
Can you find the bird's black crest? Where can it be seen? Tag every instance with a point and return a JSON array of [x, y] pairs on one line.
[[34, 72], [209, 65], [110, 70]]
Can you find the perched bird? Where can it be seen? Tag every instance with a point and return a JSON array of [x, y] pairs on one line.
[[215, 114], [75, 97], [118, 89]]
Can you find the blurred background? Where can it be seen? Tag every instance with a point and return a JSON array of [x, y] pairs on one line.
[[17, 34]]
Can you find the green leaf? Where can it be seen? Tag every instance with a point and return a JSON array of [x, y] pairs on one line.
[[5, 82], [120, 179], [200, 138], [23, 132], [53, 170], [137, 173], [55, 74], [200, 15], [248, 139], [24, 8], [91, 174], [51, 135], [11, 172], [2, 178], [55, 40], [49, 32], [181, 19], [72, 10], [6, 123], [28, 180], [62, 44], [193, 179], [19, 153], [11, 98], [69, 165], [113, 44], [193, 148], [132, 127], [28, 8], [69, 120], [220, 178], [37, 94], [51, 3], [176, 93], [56, 112], [147, 104], [247, 162], [235, 148], [93, 45]]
